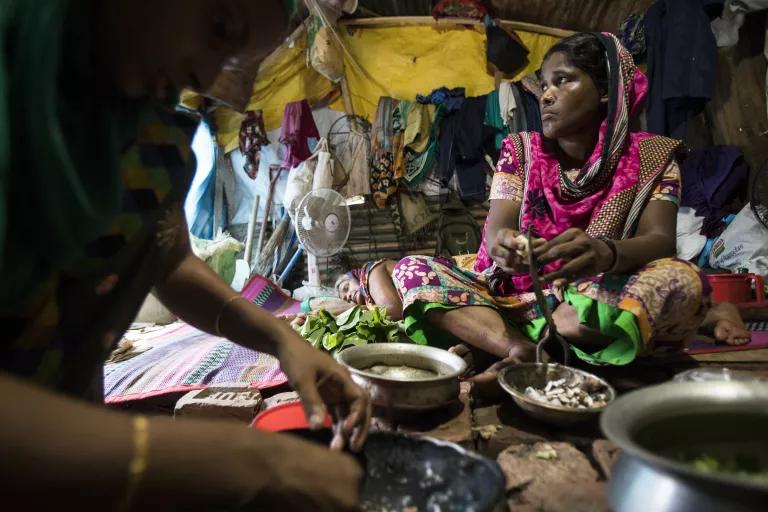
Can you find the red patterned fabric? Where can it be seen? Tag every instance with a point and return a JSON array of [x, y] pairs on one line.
[[459, 9]]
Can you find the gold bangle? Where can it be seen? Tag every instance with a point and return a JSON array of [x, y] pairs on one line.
[[138, 464], [222, 309]]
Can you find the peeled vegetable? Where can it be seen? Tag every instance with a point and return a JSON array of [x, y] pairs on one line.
[[523, 240]]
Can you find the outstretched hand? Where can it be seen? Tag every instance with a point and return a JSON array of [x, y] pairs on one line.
[[324, 385]]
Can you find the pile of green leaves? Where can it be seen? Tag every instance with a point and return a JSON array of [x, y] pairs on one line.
[[356, 326]]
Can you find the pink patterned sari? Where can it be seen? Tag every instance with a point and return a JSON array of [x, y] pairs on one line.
[[605, 197], [664, 301]]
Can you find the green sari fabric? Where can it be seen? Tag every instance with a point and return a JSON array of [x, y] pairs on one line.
[[60, 137], [617, 324]]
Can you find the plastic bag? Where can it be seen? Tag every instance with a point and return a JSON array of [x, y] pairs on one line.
[[354, 158], [299, 184], [326, 56], [743, 245], [315, 172], [219, 254]]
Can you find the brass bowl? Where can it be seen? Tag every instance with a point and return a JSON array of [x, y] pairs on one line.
[[514, 379]]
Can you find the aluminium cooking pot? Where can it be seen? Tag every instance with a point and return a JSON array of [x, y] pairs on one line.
[[661, 429]]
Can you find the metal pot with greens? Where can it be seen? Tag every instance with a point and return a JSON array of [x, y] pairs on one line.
[[686, 446]]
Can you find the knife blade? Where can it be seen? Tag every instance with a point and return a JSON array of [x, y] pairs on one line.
[[543, 305]]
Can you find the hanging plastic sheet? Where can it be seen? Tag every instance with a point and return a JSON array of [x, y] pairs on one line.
[[199, 204]]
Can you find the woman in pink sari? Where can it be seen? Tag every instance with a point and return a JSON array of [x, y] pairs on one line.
[[601, 202]]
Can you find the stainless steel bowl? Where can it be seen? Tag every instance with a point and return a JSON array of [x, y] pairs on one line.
[[688, 415], [405, 393], [514, 379]]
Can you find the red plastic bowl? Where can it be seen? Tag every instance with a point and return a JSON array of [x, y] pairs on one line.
[[285, 417]]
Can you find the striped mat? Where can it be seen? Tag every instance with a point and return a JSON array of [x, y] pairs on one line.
[[179, 358]]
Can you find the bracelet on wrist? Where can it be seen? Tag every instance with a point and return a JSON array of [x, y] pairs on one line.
[[138, 463], [222, 309], [614, 253]]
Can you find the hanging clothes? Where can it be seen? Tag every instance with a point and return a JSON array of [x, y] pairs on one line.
[[532, 111], [507, 104], [632, 36], [252, 137], [726, 28], [463, 139], [520, 121], [495, 122], [399, 120], [531, 83], [450, 99], [682, 57], [459, 9], [297, 128], [711, 179], [504, 50], [419, 141], [383, 183]]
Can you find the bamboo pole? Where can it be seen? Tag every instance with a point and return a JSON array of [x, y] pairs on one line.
[[347, 97], [405, 21], [268, 206]]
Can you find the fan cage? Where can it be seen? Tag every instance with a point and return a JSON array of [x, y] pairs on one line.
[[313, 219]]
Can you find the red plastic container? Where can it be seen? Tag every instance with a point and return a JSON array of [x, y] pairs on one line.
[[736, 288], [285, 417]]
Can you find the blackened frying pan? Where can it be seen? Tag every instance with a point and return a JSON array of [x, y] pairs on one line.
[[407, 473]]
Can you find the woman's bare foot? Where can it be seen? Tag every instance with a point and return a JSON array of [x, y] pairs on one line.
[[519, 353], [724, 320], [476, 359]]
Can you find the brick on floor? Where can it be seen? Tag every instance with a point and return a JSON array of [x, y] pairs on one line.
[[237, 402]]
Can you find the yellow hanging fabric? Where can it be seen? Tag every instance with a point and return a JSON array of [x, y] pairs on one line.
[[397, 61], [410, 60]]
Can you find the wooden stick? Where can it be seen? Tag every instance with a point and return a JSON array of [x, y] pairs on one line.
[[249, 234], [267, 254], [348, 102], [268, 206], [402, 21]]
